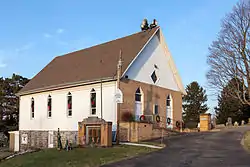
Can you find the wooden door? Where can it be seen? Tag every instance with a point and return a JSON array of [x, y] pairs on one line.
[[93, 135]]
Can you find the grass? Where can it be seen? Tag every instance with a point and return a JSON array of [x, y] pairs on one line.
[[4, 152], [246, 140], [78, 157]]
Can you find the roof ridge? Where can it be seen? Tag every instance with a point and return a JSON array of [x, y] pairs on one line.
[[84, 65], [104, 43]]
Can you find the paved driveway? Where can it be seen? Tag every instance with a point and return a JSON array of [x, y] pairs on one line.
[[210, 149]]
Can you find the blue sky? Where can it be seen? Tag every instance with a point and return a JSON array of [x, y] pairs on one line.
[[32, 32]]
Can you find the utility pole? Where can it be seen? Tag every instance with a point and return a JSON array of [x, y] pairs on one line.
[[101, 94], [119, 66]]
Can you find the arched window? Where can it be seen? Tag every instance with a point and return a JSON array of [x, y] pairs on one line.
[[49, 106], [168, 101], [32, 108], [93, 102], [138, 95], [138, 103], [69, 102], [169, 112]]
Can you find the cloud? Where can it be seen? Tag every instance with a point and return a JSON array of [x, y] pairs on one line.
[[59, 31], [25, 47], [46, 35]]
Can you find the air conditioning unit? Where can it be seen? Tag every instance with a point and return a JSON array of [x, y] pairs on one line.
[[153, 118], [149, 118]]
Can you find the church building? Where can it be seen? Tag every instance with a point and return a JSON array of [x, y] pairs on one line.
[[83, 84]]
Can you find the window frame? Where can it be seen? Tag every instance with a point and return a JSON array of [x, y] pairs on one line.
[[49, 110], [168, 101], [138, 94], [69, 95], [32, 108], [157, 109], [93, 108]]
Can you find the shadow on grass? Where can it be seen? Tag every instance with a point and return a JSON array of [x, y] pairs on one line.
[[89, 157]]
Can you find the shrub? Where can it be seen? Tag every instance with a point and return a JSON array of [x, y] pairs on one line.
[[128, 117]]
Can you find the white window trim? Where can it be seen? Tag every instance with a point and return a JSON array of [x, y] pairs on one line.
[[31, 112], [140, 102], [90, 108], [49, 117], [157, 75], [70, 116], [67, 110]]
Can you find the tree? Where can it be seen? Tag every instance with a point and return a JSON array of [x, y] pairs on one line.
[[9, 102], [229, 54], [229, 106], [194, 103]]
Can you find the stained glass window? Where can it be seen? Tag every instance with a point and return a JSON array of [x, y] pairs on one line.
[[32, 108], [69, 104], [49, 106], [93, 101]]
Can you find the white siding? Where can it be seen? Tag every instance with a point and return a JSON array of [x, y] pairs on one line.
[[143, 66], [59, 119]]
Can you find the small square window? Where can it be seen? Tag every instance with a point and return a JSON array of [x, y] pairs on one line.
[[154, 77], [156, 109]]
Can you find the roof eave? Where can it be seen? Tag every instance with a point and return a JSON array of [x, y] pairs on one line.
[[67, 85]]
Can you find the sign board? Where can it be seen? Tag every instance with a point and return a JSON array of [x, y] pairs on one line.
[[118, 96], [24, 139], [203, 119]]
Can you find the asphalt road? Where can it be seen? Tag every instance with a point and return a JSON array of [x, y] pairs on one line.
[[210, 149]]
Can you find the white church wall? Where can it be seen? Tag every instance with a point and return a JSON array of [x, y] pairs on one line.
[[144, 65], [59, 118]]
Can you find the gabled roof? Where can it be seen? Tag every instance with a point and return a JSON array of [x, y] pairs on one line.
[[90, 64], [172, 64]]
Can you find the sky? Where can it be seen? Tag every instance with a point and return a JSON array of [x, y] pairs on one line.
[[32, 32]]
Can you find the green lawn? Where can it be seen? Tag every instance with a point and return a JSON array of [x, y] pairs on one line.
[[246, 140], [78, 157], [4, 154]]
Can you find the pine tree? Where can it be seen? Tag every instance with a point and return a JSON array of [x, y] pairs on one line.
[[229, 106], [194, 103]]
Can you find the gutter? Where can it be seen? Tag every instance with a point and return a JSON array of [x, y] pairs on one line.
[[67, 85]]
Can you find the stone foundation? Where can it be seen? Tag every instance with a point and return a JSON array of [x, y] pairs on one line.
[[40, 139], [72, 136]]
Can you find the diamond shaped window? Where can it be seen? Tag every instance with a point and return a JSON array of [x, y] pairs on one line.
[[154, 77]]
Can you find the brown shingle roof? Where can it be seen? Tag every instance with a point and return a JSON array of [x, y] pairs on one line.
[[85, 65]]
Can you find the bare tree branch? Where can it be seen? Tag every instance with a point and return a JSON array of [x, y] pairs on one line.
[[229, 55]]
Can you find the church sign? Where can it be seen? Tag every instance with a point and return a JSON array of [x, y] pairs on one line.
[[24, 139], [119, 96]]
